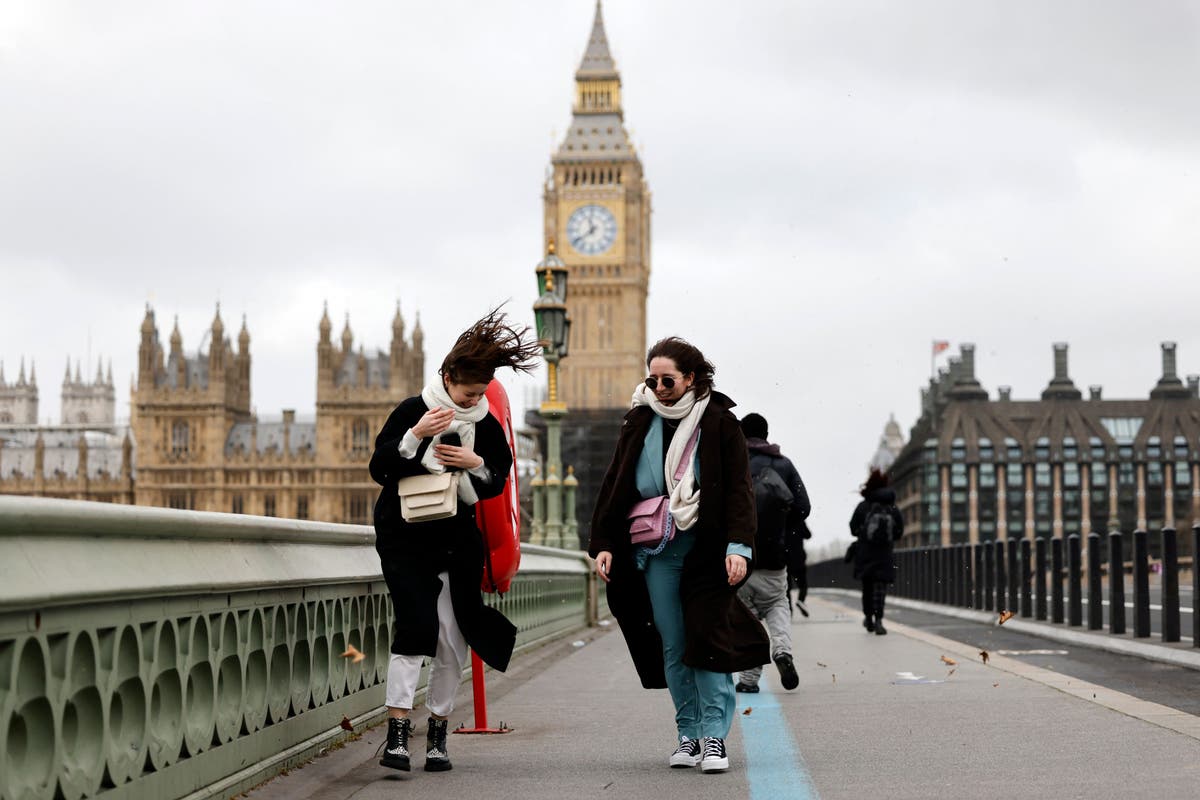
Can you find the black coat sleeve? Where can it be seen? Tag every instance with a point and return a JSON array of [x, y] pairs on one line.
[[741, 515], [387, 465], [856, 519], [492, 447], [899, 518]]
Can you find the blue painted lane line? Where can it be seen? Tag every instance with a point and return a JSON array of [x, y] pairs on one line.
[[774, 767]]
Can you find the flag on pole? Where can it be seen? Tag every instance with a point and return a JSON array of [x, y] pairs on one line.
[[939, 345]]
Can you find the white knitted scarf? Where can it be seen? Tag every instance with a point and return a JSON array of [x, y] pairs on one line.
[[435, 396], [685, 495]]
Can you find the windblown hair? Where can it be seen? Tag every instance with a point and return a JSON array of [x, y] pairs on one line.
[[491, 343], [688, 359], [876, 480]]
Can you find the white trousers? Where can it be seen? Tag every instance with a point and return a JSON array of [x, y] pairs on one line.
[[445, 674]]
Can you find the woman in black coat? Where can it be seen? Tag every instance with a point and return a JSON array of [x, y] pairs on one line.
[[433, 569], [876, 523], [677, 604]]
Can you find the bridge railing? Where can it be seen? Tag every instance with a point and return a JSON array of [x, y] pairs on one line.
[[155, 653], [1049, 579]]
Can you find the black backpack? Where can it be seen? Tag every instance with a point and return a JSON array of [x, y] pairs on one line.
[[772, 501], [878, 524]]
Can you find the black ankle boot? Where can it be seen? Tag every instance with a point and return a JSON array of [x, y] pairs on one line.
[[436, 757], [395, 751], [879, 629], [869, 623]]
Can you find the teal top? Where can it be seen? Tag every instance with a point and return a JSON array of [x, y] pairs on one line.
[[651, 481]]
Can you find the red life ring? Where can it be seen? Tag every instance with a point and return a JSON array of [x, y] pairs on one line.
[[499, 518]]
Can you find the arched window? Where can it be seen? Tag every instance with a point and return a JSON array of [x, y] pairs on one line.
[[360, 438], [179, 438]]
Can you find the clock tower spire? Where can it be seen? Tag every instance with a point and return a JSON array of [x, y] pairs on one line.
[[597, 206]]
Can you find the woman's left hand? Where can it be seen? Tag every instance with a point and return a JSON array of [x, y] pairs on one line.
[[735, 568], [449, 455]]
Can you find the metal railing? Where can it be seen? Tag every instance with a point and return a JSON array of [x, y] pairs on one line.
[[154, 653], [1049, 579]]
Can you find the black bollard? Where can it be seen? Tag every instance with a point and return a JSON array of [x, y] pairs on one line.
[[977, 576], [1116, 583], [1095, 589], [1141, 587], [989, 576], [1074, 581], [1039, 575], [1056, 580], [1001, 583], [1196, 586], [1026, 577], [1170, 585], [1014, 575]]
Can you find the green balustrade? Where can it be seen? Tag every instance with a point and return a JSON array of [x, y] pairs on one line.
[[156, 653]]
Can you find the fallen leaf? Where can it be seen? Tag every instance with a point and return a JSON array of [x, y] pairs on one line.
[[994, 685], [346, 724], [353, 653], [984, 655], [951, 672], [1093, 695], [835, 678], [819, 664], [1005, 616], [746, 713], [948, 661]]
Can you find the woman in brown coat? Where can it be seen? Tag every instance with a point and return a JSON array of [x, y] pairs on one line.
[[677, 602]]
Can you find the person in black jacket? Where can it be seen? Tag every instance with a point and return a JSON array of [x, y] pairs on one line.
[[781, 506], [434, 569], [876, 524]]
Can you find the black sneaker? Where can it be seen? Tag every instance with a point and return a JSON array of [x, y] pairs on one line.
[[395, 751], [715, 759], [787, 671], [436, 757], [879, 629], [802, 608], [869, 624], [747, 688], [687, 754]]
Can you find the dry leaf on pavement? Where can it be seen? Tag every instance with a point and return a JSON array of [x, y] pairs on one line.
[[951, 672], [746, 713], [948, 661], [353, 653], [994, 685], [1005, 616], [819, 664], [346, 724], [984, 655]]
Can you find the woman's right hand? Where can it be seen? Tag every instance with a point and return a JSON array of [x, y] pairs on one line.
[[433, 422], [603, 564]]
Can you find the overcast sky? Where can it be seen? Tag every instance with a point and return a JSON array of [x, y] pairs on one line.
[[835, 184]]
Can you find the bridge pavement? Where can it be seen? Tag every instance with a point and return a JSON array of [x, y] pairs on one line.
[[873, 717]]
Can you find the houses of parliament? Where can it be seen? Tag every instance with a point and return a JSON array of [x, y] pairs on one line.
[[193, 442]]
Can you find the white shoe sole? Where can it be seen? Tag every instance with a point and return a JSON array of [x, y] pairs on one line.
[[714, 764], [684, 761]]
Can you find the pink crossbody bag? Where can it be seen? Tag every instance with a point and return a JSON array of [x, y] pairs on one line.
[[650, 521]]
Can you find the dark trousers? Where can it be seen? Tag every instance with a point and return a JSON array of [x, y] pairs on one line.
[[873, 594], [798, 578]]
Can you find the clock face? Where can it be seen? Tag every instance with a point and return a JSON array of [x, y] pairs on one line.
[[591, 230]]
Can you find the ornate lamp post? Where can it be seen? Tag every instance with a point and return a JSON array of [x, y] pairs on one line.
[[557, 528]]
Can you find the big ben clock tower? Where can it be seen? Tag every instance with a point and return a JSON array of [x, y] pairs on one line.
[[597, 210]]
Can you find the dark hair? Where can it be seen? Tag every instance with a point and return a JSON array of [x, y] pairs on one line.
[[688, 359], [876, 480], [486, 346], [754, 426]]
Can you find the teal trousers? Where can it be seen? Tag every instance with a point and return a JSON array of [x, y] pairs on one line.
[[704, 701]]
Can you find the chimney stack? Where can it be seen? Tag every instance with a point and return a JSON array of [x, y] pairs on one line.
[[1193, 382], [1094, 391], [1005, 393], [1061, 386], [1169, 384], [966, 386]]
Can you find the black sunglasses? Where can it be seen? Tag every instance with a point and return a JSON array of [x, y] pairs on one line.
[[667, 381]]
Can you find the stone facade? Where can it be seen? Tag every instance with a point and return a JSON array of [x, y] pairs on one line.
[[982, 469], [19, 400], [200, 447], [597, 208]]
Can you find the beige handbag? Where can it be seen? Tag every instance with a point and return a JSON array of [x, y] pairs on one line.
[[428, 497]]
